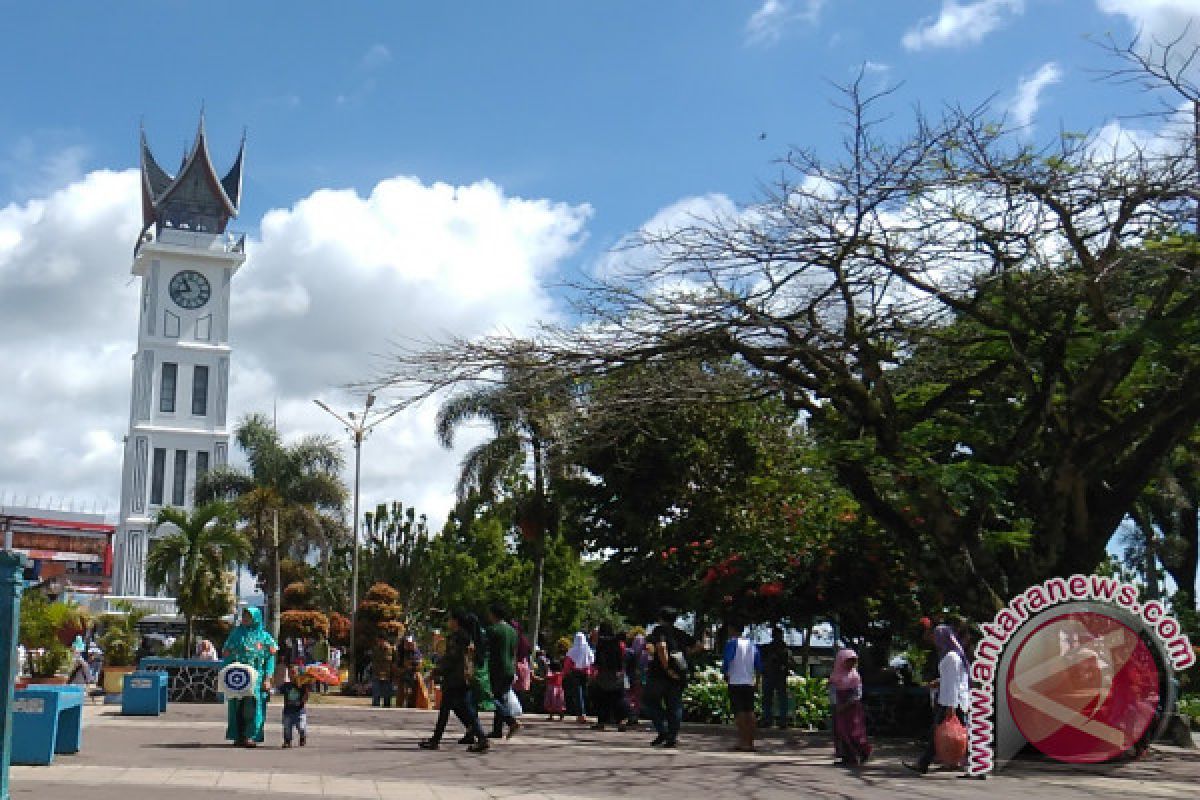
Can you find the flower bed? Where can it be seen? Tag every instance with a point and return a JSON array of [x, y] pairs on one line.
[[706, 699]]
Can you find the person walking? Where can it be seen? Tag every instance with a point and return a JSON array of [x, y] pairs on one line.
[[952, 687], [577, 669], [741, 664], [455, 670], [777, 666], [295, 708], [250, 644], [636, 660], [320, 655], [502, 669], [610, 679], [667, 676], [850, 744], [409, 684], [320, 650], [554, 701], [383, 665]]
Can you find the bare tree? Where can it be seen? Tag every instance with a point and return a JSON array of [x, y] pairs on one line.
[[995, 341]]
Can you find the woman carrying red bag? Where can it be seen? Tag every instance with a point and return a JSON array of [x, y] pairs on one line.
[[953, 699]]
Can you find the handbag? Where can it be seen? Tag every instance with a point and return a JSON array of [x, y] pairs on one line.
[[469, 665], [950, 740]]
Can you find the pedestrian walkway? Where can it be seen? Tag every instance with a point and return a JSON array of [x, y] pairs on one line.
[[372, 753]]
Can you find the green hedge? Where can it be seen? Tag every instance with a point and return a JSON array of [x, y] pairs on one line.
[[1189, 706]]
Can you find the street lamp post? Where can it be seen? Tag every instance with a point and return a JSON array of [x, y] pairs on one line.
[[358, 429]]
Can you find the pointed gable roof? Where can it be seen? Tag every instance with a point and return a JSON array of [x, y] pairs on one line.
[[232, 182], [155, 181], [196, 183]]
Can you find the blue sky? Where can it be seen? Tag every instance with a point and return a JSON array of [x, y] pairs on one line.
[[422, 167], [625, 106]]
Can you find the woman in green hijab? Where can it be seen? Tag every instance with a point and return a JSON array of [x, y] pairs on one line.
[[250, 644]]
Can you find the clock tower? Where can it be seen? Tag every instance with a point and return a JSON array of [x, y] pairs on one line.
[[186, 258]]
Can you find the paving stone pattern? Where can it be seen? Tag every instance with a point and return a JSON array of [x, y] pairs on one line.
[[372, 753]]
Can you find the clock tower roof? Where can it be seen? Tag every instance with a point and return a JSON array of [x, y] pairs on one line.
[[195, 198]]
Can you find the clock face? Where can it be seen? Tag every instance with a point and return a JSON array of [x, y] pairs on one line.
[[189, 289]]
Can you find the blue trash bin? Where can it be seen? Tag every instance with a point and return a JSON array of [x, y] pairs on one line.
[[47, 719], [144, 694]]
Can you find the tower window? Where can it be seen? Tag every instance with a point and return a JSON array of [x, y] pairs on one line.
[[179, 478], [201, 463], [156, 476], [166, 389], [200, 391]]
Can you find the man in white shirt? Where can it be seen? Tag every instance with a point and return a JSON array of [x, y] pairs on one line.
[[742, 666]]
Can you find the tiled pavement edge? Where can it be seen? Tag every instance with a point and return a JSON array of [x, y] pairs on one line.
[[368, 753]]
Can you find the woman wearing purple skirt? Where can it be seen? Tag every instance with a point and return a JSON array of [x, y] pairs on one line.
[[850, 743]]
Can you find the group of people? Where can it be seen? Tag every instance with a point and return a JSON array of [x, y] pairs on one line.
[[479, 659], [625, 680], [619, 679], [397, 672]]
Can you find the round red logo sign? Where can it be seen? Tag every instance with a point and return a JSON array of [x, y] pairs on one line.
[[1083, 687]]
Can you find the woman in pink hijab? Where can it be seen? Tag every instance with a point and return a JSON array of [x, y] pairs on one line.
[[850, 743]]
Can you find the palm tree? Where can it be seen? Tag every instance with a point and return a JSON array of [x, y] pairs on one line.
[[524, 423], [293, 486], [193, 558]]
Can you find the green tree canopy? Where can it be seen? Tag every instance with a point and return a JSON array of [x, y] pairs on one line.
[[192, 557], [297, 483]]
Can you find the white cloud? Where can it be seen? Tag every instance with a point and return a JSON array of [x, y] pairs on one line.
[[1159, 23], [325, 288], [767, 25], [1028, 96], [961, 24], [1157, 16], [627, 256]]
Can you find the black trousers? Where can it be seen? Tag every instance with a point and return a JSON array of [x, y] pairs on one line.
[[610, 706], [500, 687], [459, 700]]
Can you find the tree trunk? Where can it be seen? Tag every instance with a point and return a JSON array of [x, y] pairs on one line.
[[542, 517], [535, 599], [1189, 532], [1145, 525], [806, 651], [187, 636]]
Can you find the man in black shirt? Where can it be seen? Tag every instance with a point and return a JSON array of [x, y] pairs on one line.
[[666, 677], [777, 665]]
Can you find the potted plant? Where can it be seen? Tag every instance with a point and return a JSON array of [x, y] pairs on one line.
[[120, 642], [41, 625]]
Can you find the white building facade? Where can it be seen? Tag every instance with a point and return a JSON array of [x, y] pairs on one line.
[[178, 426]]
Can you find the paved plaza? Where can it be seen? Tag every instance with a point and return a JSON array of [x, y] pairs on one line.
[[356, 752]]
